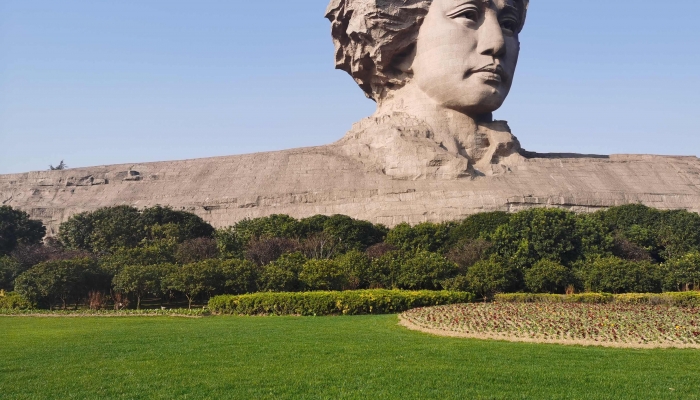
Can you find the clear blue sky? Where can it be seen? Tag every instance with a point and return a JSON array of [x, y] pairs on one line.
[[101, 82]]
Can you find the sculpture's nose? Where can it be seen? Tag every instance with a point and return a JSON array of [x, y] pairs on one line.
[[491, 40]]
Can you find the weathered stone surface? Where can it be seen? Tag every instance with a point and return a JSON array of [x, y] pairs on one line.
[[322, 180]]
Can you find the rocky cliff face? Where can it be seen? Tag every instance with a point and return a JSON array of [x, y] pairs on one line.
[[324, 180]]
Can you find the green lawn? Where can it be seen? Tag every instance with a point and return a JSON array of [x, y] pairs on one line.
[[365, 357]]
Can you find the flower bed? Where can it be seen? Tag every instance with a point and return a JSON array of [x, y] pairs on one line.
[[611, 324]]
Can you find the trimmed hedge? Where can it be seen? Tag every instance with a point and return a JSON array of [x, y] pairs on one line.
[[354, 302], [680, 299]]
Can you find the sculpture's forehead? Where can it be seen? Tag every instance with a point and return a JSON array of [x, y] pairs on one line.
[[498, 3]]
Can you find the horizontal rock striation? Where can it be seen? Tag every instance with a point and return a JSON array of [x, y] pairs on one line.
[[322, 180]]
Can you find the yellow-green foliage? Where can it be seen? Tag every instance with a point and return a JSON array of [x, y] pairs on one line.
[[681, 299], [13, 301], [332, 303]]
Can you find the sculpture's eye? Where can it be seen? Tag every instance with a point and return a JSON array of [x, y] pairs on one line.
[[469, 13], [509, 24]]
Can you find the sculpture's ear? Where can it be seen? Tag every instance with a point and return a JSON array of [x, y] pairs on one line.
[[403, 61]]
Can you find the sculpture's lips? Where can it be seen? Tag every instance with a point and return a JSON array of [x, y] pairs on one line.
[[494, 73]]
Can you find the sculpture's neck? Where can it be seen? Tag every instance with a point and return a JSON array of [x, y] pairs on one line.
[[453, 130]]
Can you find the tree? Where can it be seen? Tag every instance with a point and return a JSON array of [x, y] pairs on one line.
[[195, 250], [424, 270], [141, 280], [478, 226], [550, 234], [9, 269], [353, 234], [683, 273], [61, 166], [491, 276], [282, 275], [17, 228], [240, 276], [60, 281], [426, 236], [110, 228], [357, 267], [138, 256], [547, 277], [266, 250], [614, 275], [467, 252], [195, 279]]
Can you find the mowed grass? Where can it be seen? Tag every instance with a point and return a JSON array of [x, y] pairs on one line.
[[364, 357]]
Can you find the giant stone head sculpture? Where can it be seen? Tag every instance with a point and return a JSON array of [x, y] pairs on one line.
[[446, 63]]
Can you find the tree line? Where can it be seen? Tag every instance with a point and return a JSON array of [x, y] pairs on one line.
[[121, 255]]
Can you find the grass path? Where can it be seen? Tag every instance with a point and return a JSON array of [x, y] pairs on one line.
[[325, 358]]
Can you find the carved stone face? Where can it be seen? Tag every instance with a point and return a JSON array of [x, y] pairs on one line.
[[466, 53]]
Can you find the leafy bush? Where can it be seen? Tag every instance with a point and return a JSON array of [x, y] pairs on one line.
[[478, 226], [195, 279], [422, 237], [491, 276], [424, 271], [62, 281], [323, 275], [614, 275], [140, 280], [266, 250], [550, 234], [110, 228], [358, 270], [547, 277], [332, 303], [282, 275], [239, 276], [9, 269], [16, 228], [195, 250], [682, 274], [146, 255], [467, 252], [14, 301]]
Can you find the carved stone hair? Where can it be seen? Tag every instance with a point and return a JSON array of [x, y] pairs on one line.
[[370, 36]]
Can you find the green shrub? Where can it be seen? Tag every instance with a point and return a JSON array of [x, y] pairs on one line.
[[424, 271], [111, 228], [63, 281], [478, 226], [16, 228], [9, 269], [14, 301], [358, 269], [139, 281], [426, 237], [240, 276], [682, 273], [282, 275], [550, 234], [333, 303], [491, 276], [195, 279], [323, 275], [547, 277], [614, 275]]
